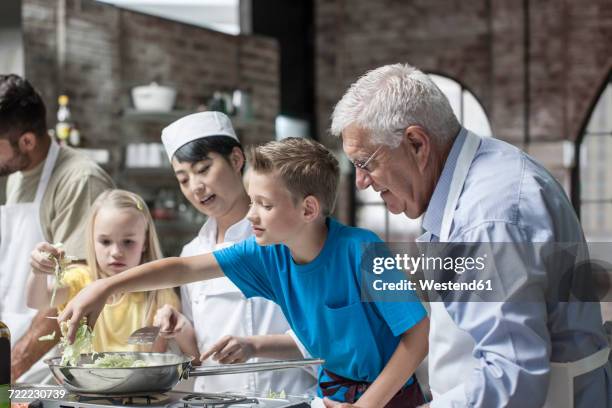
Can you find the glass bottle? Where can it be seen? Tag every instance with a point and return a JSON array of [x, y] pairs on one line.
[[64, 124], [217, 103], [5, 365], [75, 137]]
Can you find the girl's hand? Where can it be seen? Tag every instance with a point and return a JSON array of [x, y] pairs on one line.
[[170, 321], [231, 350], [40, 258]]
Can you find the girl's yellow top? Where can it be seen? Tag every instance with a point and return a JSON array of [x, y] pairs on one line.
[[118, 319]]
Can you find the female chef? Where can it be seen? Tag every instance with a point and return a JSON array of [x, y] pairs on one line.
[[208, 162]]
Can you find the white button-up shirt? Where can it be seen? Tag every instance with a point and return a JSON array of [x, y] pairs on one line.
[[217, 308]]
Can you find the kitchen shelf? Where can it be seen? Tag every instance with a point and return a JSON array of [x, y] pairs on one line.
[[149, 176], [176, 233], [167, 117], [177, 226], [100, 156], [151, 182]]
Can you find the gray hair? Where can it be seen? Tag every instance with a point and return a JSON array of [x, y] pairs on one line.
[[391, 98]]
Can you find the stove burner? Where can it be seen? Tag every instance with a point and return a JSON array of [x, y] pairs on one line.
[[171, 399], [207, 400], [153, 399]]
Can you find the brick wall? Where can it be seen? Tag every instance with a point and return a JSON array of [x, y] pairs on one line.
[[480, 43], [107, 51], [39, 41], [110, 50]]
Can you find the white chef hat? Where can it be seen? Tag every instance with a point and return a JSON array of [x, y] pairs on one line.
[[193, 127]]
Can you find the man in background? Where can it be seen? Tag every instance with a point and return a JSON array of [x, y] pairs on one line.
[[48, 192]]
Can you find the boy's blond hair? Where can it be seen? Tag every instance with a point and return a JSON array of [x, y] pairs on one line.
[[306, 167]]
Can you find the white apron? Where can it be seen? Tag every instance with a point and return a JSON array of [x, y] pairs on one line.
[[450, 353], [21, 230]]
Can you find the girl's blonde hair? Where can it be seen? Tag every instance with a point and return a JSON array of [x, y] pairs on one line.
[[120, 200]]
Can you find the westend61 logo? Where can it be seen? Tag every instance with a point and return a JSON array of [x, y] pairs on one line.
[[413, 264], [487, 272]]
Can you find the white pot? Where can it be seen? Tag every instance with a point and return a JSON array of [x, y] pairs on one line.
[[153, 97]]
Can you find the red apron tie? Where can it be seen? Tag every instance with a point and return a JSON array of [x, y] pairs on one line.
[[408, 397]]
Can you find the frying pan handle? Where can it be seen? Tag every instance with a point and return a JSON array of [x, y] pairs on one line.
[[250, 367]]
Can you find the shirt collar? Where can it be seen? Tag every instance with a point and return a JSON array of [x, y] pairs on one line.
[[237, 232], [432, 220], [36, 171]]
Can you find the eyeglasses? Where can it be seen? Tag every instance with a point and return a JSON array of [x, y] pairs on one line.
[[363, 165]]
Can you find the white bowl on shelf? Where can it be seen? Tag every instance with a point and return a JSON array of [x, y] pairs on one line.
[[153, 98]]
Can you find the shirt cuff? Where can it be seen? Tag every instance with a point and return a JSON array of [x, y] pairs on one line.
[[454, 398], [409, 322]]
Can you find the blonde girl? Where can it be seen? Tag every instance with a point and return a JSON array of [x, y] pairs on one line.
[[120, 235]]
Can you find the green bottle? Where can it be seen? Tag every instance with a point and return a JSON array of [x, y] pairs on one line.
[[5, 365]]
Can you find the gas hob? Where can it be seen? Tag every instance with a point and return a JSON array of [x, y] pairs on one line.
[[171, 399]]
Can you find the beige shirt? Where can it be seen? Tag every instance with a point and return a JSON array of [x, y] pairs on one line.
[[74, 185]]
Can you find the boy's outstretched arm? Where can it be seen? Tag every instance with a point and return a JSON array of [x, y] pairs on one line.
[[165, 273], [411, 350]]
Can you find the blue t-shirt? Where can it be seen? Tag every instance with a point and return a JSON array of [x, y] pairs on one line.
[[322, 300]]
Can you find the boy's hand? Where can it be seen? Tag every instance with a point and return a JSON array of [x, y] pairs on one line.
[[170, 321], [41, 258], [231, 350], [88, 303]]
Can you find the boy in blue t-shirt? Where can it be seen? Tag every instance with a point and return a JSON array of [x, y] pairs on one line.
[[309, 264]]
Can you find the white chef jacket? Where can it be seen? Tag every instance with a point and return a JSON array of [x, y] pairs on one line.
[[217, 308]]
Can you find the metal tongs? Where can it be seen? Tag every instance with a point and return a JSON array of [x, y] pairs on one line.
[[215, 369]]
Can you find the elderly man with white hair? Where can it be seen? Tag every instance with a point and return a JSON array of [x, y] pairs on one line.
[[405, 142]]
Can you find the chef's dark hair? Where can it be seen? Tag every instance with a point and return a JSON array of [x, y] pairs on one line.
[[21, 109], [197, 150]]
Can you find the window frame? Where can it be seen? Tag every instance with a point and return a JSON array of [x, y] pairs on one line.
[[584, 134]]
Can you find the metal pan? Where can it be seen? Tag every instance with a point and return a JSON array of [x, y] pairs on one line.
[[162, 373]]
